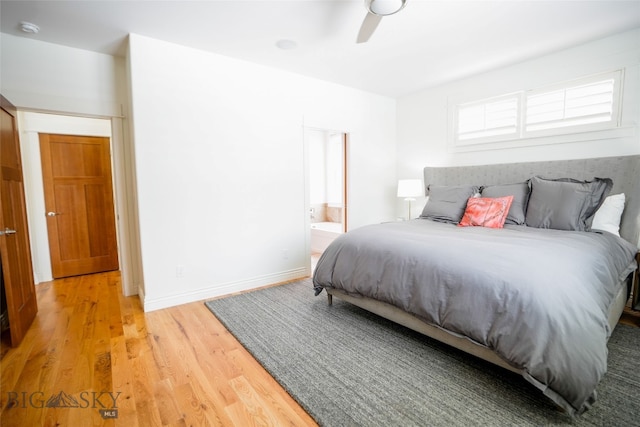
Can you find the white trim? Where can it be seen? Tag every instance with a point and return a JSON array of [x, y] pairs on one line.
[[125, 201], [151, 304], [64, 124], [30, 125], [32, 122], [141, 295], [597, 135]]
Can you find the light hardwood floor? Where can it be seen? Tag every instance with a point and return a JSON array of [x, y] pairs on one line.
[[173, 367]]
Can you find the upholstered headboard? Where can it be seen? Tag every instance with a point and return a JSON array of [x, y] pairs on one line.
[[624, 171]]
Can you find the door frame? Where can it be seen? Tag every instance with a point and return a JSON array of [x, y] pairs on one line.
[[33, 122], [307, 179]]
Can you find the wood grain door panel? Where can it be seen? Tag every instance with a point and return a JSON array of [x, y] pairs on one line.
[[15, 251], [79, 196]]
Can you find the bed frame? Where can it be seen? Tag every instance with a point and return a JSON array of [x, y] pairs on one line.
[[624, 171]]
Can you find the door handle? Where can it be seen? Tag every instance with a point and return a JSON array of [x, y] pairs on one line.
[[53, 213], [7, 231]]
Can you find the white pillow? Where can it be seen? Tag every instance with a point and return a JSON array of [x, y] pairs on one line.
[[607, 217]]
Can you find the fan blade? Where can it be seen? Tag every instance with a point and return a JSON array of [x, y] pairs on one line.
[[369, 25]]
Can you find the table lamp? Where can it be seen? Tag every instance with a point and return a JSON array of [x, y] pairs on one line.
[[410, 189]]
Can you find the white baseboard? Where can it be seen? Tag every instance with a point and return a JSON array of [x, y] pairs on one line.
[[151, 304]]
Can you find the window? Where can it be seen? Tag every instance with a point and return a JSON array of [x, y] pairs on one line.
[[585, 102], [583, 105], [488, 119]]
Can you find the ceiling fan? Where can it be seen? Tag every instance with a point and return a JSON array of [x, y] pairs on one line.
[[376, 10]]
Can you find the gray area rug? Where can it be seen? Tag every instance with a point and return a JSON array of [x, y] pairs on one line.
[[348, 367]]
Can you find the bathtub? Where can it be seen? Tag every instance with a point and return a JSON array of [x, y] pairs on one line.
[[323, 233]]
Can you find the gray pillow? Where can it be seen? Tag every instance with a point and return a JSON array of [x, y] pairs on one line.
[[520, 193], [565, 203], [447, 203]]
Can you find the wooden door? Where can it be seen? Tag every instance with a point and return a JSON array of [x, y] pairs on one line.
[[15, 252], [78, 194]]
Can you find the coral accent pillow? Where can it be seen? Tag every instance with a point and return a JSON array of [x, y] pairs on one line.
[[486, 212]]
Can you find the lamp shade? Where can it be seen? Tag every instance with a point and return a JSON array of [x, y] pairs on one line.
[[410, 188]]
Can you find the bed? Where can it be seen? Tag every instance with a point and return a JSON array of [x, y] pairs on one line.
[[538, 294]]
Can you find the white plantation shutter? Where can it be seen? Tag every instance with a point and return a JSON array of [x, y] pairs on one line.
[[574, 107], [582, 104], [490, 118]]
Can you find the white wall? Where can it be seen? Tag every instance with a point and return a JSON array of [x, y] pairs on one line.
[[423, 116], [326, 167], [49, 77], [316, 143], [220, 168], [45, 77]]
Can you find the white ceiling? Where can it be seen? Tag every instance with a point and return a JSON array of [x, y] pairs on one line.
[[429, 42]]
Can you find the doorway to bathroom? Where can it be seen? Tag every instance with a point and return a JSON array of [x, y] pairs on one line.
[[327, 188]]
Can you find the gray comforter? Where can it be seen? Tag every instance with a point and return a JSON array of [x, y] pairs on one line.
[[538, 298]]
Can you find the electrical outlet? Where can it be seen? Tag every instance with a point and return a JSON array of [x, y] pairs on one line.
[[180, 271], [285, 254]]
